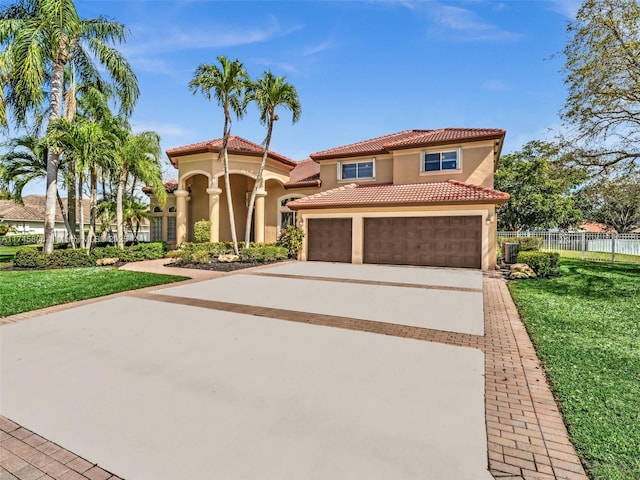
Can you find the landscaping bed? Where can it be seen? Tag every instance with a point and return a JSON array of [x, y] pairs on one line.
[[220, 266], [585, 326]]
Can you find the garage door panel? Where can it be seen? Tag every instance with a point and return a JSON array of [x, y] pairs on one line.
[[329, 240], [430, 241]]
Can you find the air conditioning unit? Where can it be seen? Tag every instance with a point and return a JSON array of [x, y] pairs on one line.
[[511, 252]]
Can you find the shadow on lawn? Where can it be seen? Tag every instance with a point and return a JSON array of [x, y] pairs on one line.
[[590, 280]]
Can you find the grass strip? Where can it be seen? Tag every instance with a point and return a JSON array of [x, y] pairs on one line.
[[23, 291], [585, 326]]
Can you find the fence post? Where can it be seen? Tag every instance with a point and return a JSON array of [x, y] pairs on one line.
[[613, 248], [583, 246]]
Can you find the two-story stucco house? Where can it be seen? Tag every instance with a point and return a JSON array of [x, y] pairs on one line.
[[417, 197]]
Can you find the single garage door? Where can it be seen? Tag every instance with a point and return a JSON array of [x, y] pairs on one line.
[[430, 241], [329, 240]]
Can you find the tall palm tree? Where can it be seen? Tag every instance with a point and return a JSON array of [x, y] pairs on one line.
[[269, 93], [91, 146], [138, 158], [227, 83], [40, 38]]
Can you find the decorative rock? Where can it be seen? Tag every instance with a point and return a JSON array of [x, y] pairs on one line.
[[107, 261], [520, 271], [228, 258]]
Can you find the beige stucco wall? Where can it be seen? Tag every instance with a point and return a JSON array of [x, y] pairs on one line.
[[477, 165], [487, 212]]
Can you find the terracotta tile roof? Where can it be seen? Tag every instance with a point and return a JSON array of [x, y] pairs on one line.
[[388, 194], [170, 186], [305, 174], [236, 146], [32, 210], [410, 139], [595, 227]]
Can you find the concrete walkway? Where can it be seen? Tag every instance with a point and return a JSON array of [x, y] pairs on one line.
[[521, 430]]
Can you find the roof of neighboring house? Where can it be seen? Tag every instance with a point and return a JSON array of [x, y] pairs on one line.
[[305, 174], [595, 227], [410, 139], [32, 209], [388, 194], [236, 146], [170, 186]]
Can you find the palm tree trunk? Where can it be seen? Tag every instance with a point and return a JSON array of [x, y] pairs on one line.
[[93, 203], [83, 243], [71, 201], [227, 182], [257, 183], [53, 158], [66, 221], [119, 216]]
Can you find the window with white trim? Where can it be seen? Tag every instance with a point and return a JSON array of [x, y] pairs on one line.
[[441, 161], [286, 216], [156, 229], [171, 229], [357, 170]]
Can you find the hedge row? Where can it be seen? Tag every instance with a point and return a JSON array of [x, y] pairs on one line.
[[545, 264], [207, 252], [30, 257]]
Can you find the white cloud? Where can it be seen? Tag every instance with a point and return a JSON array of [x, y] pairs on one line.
[[320, 47], [495, 85], [156, 41], [160, 128], [568, 8]]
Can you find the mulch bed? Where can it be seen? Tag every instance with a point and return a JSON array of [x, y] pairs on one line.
[[220, 266]]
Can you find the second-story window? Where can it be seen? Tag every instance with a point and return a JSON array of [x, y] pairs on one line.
[[438, 161], [356, 170]]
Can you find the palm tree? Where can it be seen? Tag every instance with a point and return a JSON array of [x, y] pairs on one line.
[[269, 93], [25, 162], [91, 146], [41, 38], [228, 82], [138, 158]]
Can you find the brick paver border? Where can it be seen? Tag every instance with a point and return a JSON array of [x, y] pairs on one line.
[[25, 455], [526, 435]]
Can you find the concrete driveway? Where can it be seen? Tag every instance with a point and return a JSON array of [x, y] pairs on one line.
[[208, 380]]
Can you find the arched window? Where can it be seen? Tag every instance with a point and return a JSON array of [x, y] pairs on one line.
[[172, 209], [286, 216], [157, 209]]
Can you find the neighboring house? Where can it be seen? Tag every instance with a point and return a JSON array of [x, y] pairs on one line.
[[595, 227], [28, 217], [417, 197]]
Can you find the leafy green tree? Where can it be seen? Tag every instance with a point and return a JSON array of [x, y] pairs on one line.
[[227, 84], [39, 39], [269, 93], [613, 201], [540, 188], [603, 77]]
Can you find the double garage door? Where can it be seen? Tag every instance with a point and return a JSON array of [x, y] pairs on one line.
[[430, 241]]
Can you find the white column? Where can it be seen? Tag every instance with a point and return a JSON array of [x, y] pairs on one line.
[[214, 213], [259, 217]]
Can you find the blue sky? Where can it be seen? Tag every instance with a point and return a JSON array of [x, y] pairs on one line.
[[362, 69]]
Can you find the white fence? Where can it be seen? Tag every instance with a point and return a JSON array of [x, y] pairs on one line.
[[586, 245]]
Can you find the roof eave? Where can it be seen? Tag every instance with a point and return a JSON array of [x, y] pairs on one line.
[[493, 201], [318, 157], [196, 151], [446, 142]]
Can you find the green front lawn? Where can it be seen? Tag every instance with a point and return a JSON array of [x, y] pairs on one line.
[[599, 256], [23, 291], [586, 329], [7, 253]]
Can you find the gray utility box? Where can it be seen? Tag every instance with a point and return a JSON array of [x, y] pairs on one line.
[[511, 252]]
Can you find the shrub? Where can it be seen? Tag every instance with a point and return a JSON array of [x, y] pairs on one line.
[[29, 258], [33, 258], [545, 264], [201, 231], [19, 240], [134, 253], [6, 228], [291, 239], [263, 253], [194, 252]]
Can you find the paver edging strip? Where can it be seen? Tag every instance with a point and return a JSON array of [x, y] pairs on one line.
[[526, 434]]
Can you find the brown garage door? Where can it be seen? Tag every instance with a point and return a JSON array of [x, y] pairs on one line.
[[430, 241], [329, 240]]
